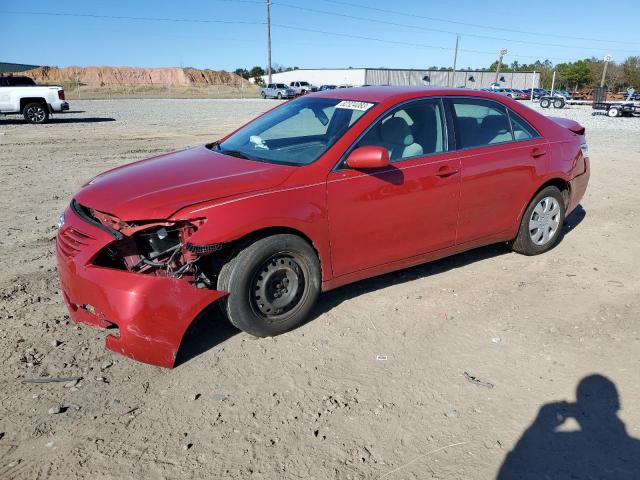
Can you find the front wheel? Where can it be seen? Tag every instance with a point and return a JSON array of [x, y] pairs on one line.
[[541, 223], [35, 113], [558, 103], [273, 285], [545, 102], [613, 112]]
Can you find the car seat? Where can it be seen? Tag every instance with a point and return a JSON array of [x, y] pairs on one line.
[[397, 138]]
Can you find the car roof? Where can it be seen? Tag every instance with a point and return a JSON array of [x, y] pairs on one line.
[[380, 94]]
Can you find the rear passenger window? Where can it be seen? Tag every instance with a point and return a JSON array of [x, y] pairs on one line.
[[413, 130], [521, 128], [480, 123]]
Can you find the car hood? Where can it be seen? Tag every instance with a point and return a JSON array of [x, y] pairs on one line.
[[157, 187]]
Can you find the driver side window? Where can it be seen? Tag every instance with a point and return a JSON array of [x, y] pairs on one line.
[[412, 130]]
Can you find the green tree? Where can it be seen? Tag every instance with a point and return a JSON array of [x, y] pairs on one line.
[[631, 72], [243, 72]]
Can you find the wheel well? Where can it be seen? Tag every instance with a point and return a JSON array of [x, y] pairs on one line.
[[231, 249], [561, 185], [26, 101]]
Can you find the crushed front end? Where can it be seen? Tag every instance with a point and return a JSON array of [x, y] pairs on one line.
[[142, 278]]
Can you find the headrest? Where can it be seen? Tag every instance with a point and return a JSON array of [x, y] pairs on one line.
[[396, 131], [496, 122]]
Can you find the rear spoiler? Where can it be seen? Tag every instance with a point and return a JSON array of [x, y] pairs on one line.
[[569, 124]]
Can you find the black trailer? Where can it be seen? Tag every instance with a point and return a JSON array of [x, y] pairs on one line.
[[612, 109]]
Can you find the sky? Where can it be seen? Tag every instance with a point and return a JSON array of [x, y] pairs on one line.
[[227, 34]]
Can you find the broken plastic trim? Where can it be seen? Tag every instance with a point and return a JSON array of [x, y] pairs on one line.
[[203, 249], [82, 213]]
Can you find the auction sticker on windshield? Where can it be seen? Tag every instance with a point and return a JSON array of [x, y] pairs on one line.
[[353, 105]]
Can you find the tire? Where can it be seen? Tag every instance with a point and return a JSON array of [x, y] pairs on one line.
[[279, 96], [263, 95], [545, 103], [36, 113], [558, 103], [531, 240], [274, 284], [613, 112]]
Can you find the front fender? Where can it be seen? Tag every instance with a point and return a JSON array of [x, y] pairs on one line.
[[299, 208]]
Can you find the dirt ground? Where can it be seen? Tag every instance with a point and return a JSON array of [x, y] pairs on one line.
[[373, 387]]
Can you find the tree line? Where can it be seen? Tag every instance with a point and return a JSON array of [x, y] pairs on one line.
[[578, 75]]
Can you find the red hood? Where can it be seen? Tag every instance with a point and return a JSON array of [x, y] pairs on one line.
[[159, 186]]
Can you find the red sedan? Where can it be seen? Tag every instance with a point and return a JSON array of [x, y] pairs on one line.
[[319, 192]]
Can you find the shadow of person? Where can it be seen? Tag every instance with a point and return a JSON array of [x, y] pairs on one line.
[[601, 449]]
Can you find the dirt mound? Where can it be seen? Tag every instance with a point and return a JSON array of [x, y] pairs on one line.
[[103, 76]]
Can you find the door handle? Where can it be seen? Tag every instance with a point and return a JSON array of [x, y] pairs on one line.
[[538, 152], [446, 171]]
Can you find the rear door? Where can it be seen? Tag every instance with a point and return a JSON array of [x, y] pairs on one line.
[[384, 215], [500, 156]]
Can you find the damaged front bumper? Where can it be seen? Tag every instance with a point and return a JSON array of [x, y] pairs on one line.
[[151, 312]]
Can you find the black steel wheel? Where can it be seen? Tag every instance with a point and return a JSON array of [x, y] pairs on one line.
[[277, 286], [36, 113], [273, 284]]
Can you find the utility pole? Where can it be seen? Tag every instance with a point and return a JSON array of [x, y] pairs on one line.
[[269, 38], [455, 60], [607, 59], [503, 52]]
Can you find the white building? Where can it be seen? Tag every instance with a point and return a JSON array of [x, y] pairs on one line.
[[388, 76]]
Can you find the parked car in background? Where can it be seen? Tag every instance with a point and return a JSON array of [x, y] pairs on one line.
[[21, 95], [539, 92], [277, 90], [319, 192], [634, 97], [302, 88], [327, 87], [346, 86], [561, 93], [522, 94]]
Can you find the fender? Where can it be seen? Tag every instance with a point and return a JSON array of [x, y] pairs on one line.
[[301, 208]]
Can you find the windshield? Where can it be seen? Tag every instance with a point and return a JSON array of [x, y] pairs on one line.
[[297, 133]]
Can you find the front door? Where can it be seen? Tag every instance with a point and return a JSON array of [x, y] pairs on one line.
[[409, 208]]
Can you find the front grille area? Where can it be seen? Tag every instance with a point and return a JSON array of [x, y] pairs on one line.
[[70, 241]]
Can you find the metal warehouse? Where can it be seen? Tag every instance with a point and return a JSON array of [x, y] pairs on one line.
[[388, 76]]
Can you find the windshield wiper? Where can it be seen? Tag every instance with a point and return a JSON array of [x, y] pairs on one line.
[[234, 153]]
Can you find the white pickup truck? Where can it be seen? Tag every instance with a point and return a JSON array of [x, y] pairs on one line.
[[21, 95]]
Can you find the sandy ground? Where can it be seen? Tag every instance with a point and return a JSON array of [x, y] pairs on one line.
[[372, 387]]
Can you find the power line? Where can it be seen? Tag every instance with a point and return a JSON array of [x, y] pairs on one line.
[[123, 17], [399, 42], [417, 27], [290, 27], [436, 19]]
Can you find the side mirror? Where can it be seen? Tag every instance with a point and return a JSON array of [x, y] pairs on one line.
[[370, 156]]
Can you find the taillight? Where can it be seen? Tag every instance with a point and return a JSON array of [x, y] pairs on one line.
[[61, 94]]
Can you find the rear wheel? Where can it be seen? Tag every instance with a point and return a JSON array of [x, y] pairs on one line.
[[558, 103], [279, 96], [273, 285], [263, 95], [613, 112], [545, 102], [541, 223], [35, 113]]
